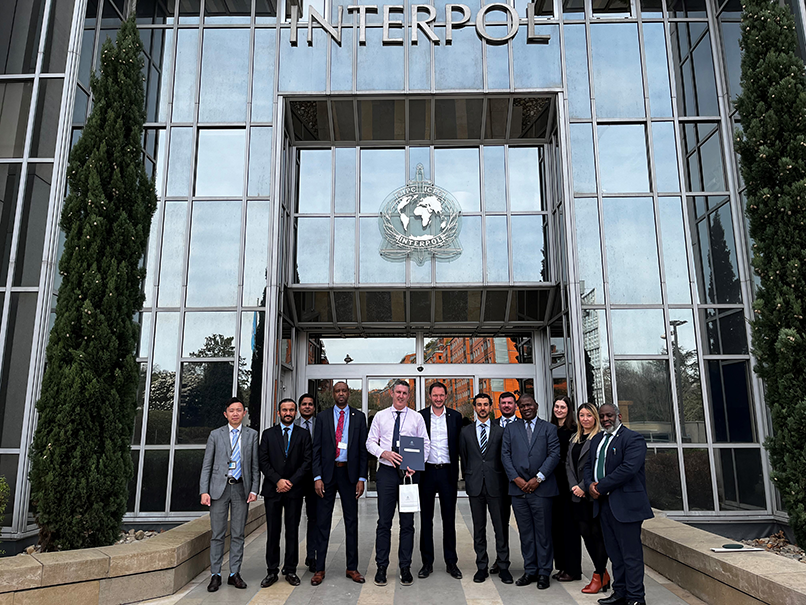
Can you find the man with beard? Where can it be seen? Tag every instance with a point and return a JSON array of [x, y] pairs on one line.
[[307, 420], [614, 474]]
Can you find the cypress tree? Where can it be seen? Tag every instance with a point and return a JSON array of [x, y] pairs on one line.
[[80, 457], [772, 148]]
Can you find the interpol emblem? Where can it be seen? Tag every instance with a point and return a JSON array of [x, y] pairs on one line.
[[420, 220]]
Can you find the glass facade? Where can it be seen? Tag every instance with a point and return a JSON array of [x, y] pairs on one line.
[[599, 246]]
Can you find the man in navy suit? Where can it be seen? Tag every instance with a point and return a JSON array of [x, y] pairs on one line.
[[441, 476], [530, 453], [614, 475], [339, 465]]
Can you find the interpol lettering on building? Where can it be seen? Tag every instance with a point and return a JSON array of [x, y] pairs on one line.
[[423, 17]]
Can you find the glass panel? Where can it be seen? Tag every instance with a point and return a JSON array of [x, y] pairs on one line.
[[524, 179], [582, 158], [687, 376], [263, 76], [623, 158], [693, 62], [163, 380], [343, 121], [419, 122], [638, 331], [314, 180], [713, 172], [215, 234], [180, 156], [16, 102], [739, 479], [494, 179], [495, 123], [256, 253], [457, 170], [16, 362], [632, 255], [467, 267], [8, 469], [663, 479], [382, 171], [664, 146], [528, 234], [224, 75], [227, 11], [458, 118], [610, 8], [733, 333], [341, 61], [497, 59], [452, 306], [573, 9], [698, 479], [645, 399], [46, 119], [345, 180], [675, 261], [731, 34], [576, 71], [20, 33], [459, 395], [313, 251], [209, 335], [617, 77], [380, 67], [657, 70], [420, 67], [260, 164], [731, 402], [336, 351], [686, 8], [302, 67], [344, 251], [589, 251], [537, 65], [155, 481], [373, 268], [497, 252], [132, 487], [250, 364], [597, 357], [206, 387], [722, 259], [460, 349], [187, 470], [137, 433], [184, 96], [458, 66], [156, 12], [32, 225], [220, 163], [173, 254], [383, 307]]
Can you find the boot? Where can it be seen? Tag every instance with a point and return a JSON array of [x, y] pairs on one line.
[[606, 581], [595, 585]]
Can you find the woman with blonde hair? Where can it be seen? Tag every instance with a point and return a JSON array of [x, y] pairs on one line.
[[581, 504]]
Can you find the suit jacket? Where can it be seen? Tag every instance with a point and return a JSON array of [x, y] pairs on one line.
[[576, 475], [298, 422], [521, 459], [275, 465], [324, 446], [482, 473], [624, 482], [453, 422], [216, 458]]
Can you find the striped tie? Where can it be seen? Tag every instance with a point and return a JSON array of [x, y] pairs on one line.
[[236, 454], [483, 441]]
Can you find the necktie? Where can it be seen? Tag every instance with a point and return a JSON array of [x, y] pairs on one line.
[[308, 425], [396, 434], [529, 433], [600, 463], [504, 422], [483, 440], [285, 440], [339, 431], [236, 454]]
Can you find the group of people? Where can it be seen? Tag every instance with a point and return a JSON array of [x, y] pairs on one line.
[[578, 477]]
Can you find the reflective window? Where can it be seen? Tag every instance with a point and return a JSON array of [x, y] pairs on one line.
[[732, 406], [698, 479], [638, 331], [623, 158], [494, 179], [420, 67], [497, 59], [173, 254], [694, 66], [383, 307], [611, 8], [46, 119], [382, 171], [344, 251], [373, 268], [367, 350], [224, 75], [21, 35], [687, 376], [457, 170], [180, 157], [739, 480], [15, 102], [632, 254], [205, 388], [16, 361], [644, 390], [725, 331], [576, 71], [313, 251], [341, 61], [458, 66], [459, 394], [731, 29], [314, 180], [458, 118], [497, 350], [662, 469], [457, 305], [597, 356], [686, 8], [220, 163], [263, 76], [617, 77], [497, 252], [260, 164], [529, 256], [675, 261], [380, 67], [155, 480], [227, 11], [187, 469], [209, 334], [537, 65], [582, 158], [719, 277], [32, 225], [163, 380], [250, 363], [589, 252], [302, 67], [524, 179], [657, 70], [664, 146], [213, 260], [345, 179], [466, 268], [184, 96], [256, 253]]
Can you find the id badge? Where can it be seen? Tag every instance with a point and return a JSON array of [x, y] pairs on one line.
[[342, 445], [231, 466]]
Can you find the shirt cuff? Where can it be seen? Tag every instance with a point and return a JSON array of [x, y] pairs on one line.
[[319, 478], [362, 479], [253, 494], [541, 477]]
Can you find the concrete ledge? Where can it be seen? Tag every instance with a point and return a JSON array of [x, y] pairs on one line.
[[114, 575], [682, 554]]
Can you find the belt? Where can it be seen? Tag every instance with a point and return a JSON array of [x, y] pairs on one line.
[[429, 465], [341, 464], [233, 481]]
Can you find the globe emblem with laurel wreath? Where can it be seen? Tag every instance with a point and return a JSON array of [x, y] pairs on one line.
[[420, 220]]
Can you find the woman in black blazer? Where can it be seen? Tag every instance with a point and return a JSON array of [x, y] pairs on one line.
[[581, 504], [564, 533]]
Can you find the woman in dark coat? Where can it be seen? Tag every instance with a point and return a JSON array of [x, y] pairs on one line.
[[581, 504], [564, 532]]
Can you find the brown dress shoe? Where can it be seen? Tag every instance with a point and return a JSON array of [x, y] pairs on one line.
[[355, 576], [317, 578]]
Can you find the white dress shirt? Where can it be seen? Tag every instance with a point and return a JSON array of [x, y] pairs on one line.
[[383, 426], [439, 439]]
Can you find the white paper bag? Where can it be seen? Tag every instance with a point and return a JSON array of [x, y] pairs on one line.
[[409, 497]]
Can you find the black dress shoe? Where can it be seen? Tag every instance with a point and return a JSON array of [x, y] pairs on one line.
[[425, 571], [406, 579], [567, 577], [236, 581], [495, 569], [454, 571], [613, 599], [480, 576], [543, 582], [270, 579], [380, 577], [505, 576], [310, 563], [214, 584], [292, 579], [556, 575], [525, 580]]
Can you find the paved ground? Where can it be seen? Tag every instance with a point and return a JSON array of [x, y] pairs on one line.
[[439, 588]]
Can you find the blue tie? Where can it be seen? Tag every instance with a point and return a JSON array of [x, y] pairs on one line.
[[236, 454]]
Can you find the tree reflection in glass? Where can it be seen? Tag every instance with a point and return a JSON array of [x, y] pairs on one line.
[[645, 398]]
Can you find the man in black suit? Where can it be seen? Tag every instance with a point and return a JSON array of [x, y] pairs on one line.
[[339, 465], [307, 420], [441, 476], [530, 452], [485, 484], [614, 474], [507, 407], [285, 460]]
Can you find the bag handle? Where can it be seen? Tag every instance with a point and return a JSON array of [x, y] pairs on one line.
[[411, 480]]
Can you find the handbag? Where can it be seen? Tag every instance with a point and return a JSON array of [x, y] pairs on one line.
[[409, 497]]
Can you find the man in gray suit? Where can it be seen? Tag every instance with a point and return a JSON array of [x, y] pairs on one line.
[[307, 420], [230, 478], [530, 452]]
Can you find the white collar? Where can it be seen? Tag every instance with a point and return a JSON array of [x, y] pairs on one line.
[[234, 428]]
